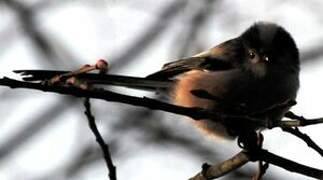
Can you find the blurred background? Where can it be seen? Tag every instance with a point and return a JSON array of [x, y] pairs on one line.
[[46, 136]]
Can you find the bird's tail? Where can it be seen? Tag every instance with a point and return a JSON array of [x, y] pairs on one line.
[[106, 79]]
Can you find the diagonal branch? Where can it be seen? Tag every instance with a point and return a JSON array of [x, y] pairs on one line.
[[100, 140], [223, 168], [193, 112], [310, 143], [243, 157], [287, 164]]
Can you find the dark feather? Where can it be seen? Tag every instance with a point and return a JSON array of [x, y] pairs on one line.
[[172, 69]]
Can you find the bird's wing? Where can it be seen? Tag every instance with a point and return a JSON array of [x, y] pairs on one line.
[[198, 62], [214, 60]]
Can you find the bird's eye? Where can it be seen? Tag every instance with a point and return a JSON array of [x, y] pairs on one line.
[[252, 54]]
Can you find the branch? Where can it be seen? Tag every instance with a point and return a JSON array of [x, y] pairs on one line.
[[299, 121], [243, 157], [100, 140], [287, 164], [310, 143], [223, 168], [193, 112]]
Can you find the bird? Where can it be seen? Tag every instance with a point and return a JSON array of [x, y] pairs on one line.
[[247, 75]]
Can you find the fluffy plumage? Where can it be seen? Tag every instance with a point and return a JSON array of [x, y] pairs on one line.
[[257, 70]]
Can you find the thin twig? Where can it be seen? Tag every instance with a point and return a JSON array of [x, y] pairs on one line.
[[100, 140], [287, 164], [310, 143], [298, 121]]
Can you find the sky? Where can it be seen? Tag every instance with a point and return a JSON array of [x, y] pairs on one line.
[[83, 31]]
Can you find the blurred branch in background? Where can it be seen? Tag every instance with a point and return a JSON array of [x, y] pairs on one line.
[[157, 132], [313, 54], [149, 35], [41, 41], [26, 16], [197, 13], [35, 125]]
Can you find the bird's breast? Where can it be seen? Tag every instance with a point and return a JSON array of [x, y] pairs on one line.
[[212, 82], [216, 83], [234, 86]]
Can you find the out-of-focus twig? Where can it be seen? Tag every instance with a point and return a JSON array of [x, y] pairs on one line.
[[37, 124], [55, 53], [148, 36], [100, 140], [309, 56], [26, 18]]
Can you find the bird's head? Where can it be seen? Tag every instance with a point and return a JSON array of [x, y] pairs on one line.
[[269, 48], [264, 49]]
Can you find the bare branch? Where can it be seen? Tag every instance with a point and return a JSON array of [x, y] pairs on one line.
[[223, 168], [287, 164], [100, 140], [195, 113], [298, 121], [296, 132], [259, 155]]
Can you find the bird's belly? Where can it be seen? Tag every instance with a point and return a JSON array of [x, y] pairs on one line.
[[214, 83], [198, 80], [230, 86]]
